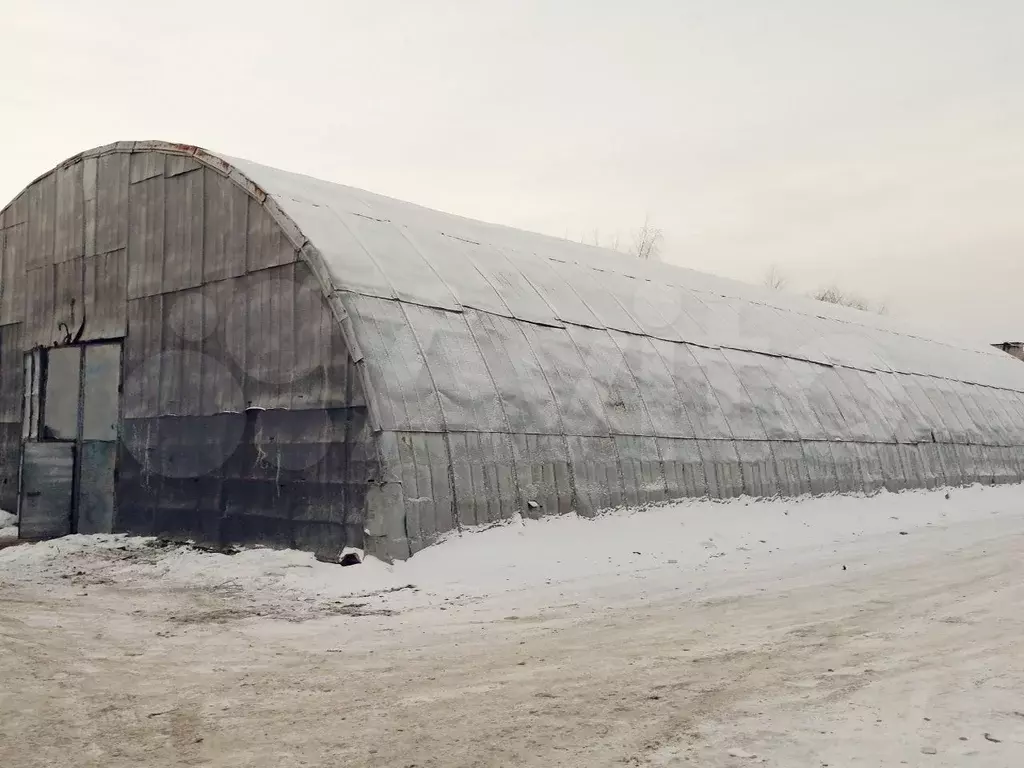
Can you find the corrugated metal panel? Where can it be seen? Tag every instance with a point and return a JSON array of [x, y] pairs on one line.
[[426, 485], [266, 245], [146, 213], [112, 215], [69, 242], [178, 164], [12, 274], [42, 222], [183, 233], [142, 352], [225, 227], [39, 298], [145, 165], [68, 300], [95, 511], [11, 382], [106, 295]]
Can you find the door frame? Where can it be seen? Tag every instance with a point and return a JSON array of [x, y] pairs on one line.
[[36, 364]]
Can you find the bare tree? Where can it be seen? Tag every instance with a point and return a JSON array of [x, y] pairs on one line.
[[835, 295], [775, 279], [647, 241]]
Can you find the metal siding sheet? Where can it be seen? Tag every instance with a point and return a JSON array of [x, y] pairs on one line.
[[112, 213], [184, 227], [683, 467], [12, 273], [146, 211], [12, 395], [69, 239], [40, 287], [42, 221], [544, 473], [68, 300], [395, 365], [526, 398], [575, 391], [469, 399], [142, 358], [666, 406], [106, 296], [266, 244], [607, 368], [145, 165], [739, 410], [178, 164], [225, 227]]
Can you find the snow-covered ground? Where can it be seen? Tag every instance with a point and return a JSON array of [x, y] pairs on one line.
[[8, 527], [886, 630]]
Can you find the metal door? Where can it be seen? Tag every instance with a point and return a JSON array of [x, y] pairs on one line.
[[71, 433]]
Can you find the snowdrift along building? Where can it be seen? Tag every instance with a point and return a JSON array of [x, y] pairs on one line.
[[203, 347]]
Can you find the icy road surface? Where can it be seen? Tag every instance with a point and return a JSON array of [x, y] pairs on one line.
[[881, 631]]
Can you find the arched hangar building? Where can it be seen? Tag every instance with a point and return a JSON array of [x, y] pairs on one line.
[[202, 347]]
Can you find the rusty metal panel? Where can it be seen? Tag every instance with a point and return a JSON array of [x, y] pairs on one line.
[[738, 408], [225, 225], [543, 473], [457, 371], [42, 221], [69, 240], [575, 391], [520, 378], [146, 213], [12, 274], [619, 395], [771, 410], [395, 366], [485, 489], [112, 215], [39, 297], [183, 234], [684, 468], [668, 408], [643, 475], [695, 390], [106, 296], [95, 509], [145, 165], [47, 480], [596, 472], [266, 245], [175, 165]]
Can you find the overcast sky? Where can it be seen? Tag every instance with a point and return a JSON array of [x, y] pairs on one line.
[[877, 144]]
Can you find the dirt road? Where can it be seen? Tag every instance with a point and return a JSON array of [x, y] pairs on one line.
[[912, 655]]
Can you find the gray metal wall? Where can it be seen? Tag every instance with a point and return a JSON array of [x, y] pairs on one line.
[[242, 419]]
